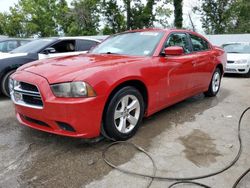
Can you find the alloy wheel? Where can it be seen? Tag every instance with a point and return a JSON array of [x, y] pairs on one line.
[[216, 82], [127, 113]]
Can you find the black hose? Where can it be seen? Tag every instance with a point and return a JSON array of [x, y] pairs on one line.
[[240, 178], [186, 180]]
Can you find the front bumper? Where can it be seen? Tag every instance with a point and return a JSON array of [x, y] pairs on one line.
[[237, 68], [74, 117]]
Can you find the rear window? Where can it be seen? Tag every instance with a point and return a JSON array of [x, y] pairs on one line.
[[85, 45], [240, 48], [34, 46], [199, 44]]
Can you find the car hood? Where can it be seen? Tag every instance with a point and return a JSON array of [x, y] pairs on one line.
[[65, 69], [10, 55], [236, 56]]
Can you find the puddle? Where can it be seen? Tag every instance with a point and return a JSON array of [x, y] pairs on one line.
[[200, 148]]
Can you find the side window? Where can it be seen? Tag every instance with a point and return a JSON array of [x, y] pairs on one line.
[[199, 44], [64, 46], [12, 45], [85, 45], [1, 46], [179, 39]]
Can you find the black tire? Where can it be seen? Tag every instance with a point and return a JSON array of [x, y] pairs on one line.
[[110, 122], [211, 91], [5, 83]]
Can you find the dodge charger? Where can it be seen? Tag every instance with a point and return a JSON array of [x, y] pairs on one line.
[[108, 91]]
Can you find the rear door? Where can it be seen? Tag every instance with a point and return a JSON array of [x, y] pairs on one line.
[[204, 62], [178, 70]]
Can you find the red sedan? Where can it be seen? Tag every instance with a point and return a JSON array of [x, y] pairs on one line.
[[109, 90]]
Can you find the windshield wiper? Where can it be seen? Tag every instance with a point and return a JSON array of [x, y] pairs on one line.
[[109, 53], [234, 52]]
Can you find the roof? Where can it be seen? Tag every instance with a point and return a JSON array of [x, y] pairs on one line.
[[247, 43], [81, 37], [14, 39]]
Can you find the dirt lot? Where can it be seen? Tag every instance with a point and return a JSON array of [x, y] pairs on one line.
[[194, 137]]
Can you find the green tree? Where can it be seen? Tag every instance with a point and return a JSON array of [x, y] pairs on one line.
[[162, 15], [14, 25], [114, 18], [84, 17], [2, 23], [241, 20], [142, 15], [127, 5], [36, 17], [216, 15], [42, 17], [139, 14], [178, 19]]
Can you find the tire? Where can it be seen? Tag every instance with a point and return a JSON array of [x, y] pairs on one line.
[[123, 114], [5, 83], [214, 86]]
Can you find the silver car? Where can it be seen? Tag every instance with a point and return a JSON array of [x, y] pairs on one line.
[[238, 58]]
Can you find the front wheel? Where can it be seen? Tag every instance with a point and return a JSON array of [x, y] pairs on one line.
[[124, 114], [5, 83], [215, 83]]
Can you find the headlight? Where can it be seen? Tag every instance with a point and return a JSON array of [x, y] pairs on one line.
[[73, 89], [13, 84], [242, 61]]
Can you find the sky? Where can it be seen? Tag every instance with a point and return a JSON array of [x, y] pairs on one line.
[[187, 8]]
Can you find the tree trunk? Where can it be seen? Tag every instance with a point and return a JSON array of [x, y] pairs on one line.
[[178, 13]]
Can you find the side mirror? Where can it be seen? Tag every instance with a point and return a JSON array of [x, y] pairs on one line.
[[174, 50], [49, 50]]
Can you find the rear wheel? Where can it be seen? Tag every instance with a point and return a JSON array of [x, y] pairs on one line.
[[124, 114], [214, 86], [5, 83]]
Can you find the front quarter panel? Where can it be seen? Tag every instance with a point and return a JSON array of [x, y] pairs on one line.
[[105, 80]]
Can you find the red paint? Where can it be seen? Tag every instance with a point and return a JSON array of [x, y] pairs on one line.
[[174, 50], [168, 80]]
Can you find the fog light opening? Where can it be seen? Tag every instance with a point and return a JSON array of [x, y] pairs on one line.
[[65, 126]]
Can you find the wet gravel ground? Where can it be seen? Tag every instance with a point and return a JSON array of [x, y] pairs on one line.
[[194, 137]]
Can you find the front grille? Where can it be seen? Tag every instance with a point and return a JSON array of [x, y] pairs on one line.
[[27, 94], [28, 87], [230, 62], [34, 100], [231, 70]]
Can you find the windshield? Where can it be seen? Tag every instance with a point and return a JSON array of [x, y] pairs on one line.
[[134, 43], [34, 46], [237, 48]]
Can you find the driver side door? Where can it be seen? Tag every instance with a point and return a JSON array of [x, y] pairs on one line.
[[178, 70]]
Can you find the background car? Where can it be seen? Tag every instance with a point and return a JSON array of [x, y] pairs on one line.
[[41, 49], [238, 58], [9, 44], [110, 89]]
